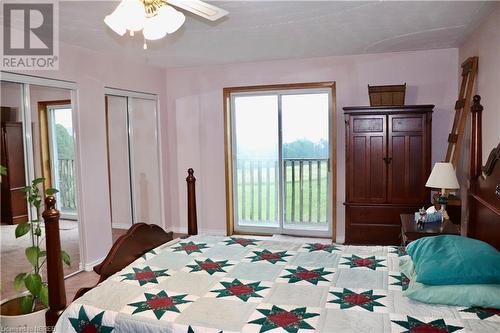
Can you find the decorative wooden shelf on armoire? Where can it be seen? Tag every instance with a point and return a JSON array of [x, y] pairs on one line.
[[388, 161]]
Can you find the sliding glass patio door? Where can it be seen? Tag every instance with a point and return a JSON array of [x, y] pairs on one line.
[[281, 161], [257, 160]]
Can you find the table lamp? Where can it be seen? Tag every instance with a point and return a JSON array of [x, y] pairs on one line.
[[443, 176]]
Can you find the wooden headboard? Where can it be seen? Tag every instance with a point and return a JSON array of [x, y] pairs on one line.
[[484, 192]]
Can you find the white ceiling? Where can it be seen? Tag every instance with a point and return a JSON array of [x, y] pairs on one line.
[[269, 30]]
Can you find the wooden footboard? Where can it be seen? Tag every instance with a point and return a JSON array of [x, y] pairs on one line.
[[138, 240]]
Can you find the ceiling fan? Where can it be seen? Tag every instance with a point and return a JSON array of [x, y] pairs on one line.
[[157, 18]]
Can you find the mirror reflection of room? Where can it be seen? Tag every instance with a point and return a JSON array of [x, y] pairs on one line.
[[45, 150]]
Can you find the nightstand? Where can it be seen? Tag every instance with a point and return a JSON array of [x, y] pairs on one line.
[[410, 231]]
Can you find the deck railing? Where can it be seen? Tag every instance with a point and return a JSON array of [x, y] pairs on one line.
[[305, 190], [67, 187]]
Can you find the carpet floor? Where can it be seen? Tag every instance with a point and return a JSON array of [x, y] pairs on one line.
[[13, 260]]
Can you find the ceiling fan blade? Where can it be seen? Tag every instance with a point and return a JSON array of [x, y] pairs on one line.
[[199, 8]]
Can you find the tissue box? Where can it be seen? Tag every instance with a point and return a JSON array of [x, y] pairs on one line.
[[431, 218]]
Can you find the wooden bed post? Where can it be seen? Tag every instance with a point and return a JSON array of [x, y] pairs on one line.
[[476, 158], [191, 196], [55, 274]]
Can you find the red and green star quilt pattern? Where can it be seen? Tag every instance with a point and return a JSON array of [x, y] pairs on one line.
[[214, 284]]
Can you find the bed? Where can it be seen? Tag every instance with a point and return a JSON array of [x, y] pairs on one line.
[[153, 283]]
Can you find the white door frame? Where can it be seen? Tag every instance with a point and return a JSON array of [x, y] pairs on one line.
[[108, 91]]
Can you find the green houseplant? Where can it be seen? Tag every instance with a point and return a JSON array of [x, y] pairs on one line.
[[37, 295]]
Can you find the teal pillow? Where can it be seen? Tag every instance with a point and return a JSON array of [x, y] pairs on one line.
[[452, 260], [483, 295]]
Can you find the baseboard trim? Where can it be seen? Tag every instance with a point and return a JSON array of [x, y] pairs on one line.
[[90, 266], [120, 226], [211, 232]]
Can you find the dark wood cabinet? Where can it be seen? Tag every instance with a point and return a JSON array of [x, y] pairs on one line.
[[388, 160], [14, 207]]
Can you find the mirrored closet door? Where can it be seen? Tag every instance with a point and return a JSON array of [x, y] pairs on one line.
[[38, 144], [133, 159]]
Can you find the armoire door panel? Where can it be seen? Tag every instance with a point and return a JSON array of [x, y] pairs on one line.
[[359, 153], [15, 154], [407, 169], [367, 170], [417, 173], [377, 170], [406, 124], [14, 207], [368, 124], [397, 168]]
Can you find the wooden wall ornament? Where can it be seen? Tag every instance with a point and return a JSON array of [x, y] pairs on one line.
[[462, 108]]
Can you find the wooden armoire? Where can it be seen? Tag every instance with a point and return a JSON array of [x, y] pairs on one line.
[[14, 208], [388, 160]]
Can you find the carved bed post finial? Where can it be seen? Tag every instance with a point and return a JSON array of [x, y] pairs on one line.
[[55, 274], [476, 158], [191, 196]]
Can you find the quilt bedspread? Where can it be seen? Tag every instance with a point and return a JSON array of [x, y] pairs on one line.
[[234, 284]]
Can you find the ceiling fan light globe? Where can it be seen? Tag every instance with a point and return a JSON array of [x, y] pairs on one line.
[[154, 28], [133, 14], [171, 18], [115, 23]]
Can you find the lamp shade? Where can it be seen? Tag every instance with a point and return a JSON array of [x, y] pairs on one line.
[[443, 176]]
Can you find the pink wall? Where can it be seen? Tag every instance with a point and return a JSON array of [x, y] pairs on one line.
[[92, 71], [195, 114], [484, 42]]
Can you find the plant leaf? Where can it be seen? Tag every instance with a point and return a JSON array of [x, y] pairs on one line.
[[32, 253], [33, 283], [3, 170], [37, 181], [51, 191], [65, 258], [37, 202], [38, 231], [27, 304], [19, 281], [26, 189], [22, 229], [44, 295], [42, 254]]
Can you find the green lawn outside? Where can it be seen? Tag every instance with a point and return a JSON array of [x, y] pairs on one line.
[[271, 209]]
